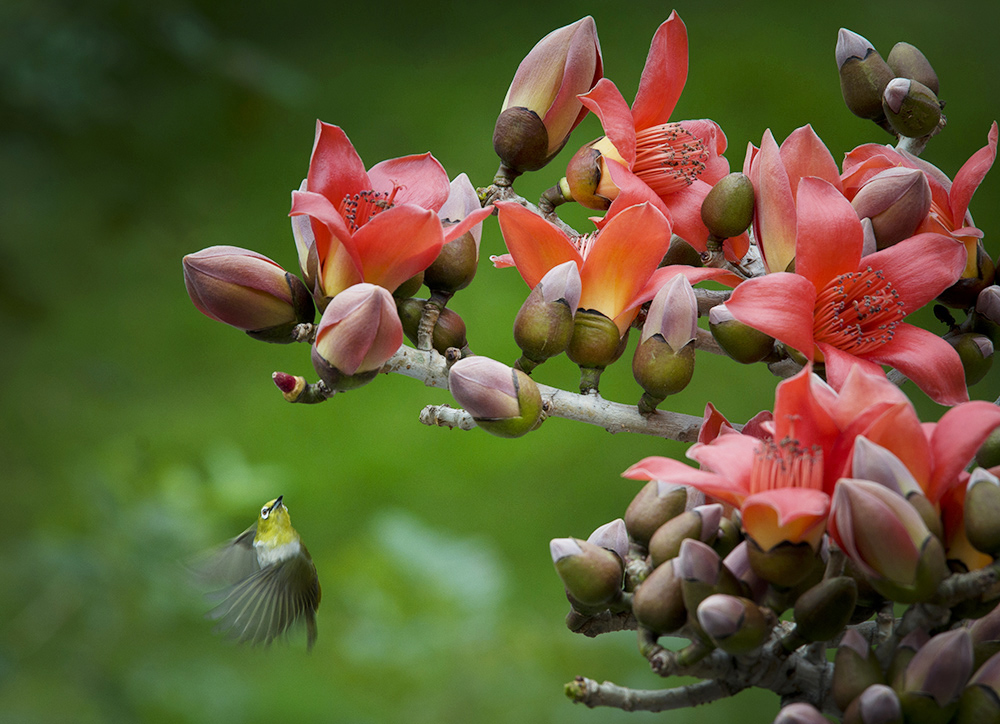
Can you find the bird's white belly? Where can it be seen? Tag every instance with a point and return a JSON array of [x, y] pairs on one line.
[[269, 555]]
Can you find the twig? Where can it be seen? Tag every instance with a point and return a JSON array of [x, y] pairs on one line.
[[589, 692]]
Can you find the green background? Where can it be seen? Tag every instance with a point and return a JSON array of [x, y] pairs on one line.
[[136, 432]]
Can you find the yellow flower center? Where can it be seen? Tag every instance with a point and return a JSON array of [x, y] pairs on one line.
[[668, 157], [857, 312]]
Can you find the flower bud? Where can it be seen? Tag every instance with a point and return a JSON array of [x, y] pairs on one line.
[[887, 540], [702, 573], [657, 602], [544, 324], [591, 574], [907, 61], [587, 177], [988, 303], [854, 669], [982, 511], [800, 712], [965, 292], [542, 107], [681, 253], [664, 360], [727, 538], [738, 561], [988, 454], [449, 331], [612, 536], [653, 505], [248, 291], [701, 523], [896, 200], [358, 333], [863, 75], [740, 341], [911, 107], [980, 700], [735, 624], [728, 208], [906, 649], [456, 263], [985, 633], [878, 704], [976, 353], [936, 676], [822, 611], [596, 341], [503, 401]]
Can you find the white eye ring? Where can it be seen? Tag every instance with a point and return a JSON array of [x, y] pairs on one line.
[[264, 512]]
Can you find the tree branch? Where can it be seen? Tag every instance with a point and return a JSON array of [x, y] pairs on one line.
[[589, 692]]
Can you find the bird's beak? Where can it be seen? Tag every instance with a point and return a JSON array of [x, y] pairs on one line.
[[277, 503]]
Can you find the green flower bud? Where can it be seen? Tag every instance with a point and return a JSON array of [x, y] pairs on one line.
[[896, 200], [700, 523], [248, 291], [935, 678], [587, 178], [854, 669], [982, 511], [903, 655], [742, 342], [681, 253], [822, 612], [965, 292], [786, 564], [544, 324], [980, 700], [448, 332], [653, 505], [405, 290], [503, 401], [596, 343], [664, 360], [988, 455], [657, 602], [455, 265], [727, 539], [728, 208], [591, 574], [911, 107], [735, 624], [863, 75], [976, 353], [878, 704], [702, 573], [907, 61]]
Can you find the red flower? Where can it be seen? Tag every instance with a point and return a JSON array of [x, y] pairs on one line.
[[677, 162], [949, 212], [379, 226], [843, 309]]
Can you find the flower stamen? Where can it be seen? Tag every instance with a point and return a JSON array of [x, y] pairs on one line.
[[786, 465], [858, 312], [668, 157], [360, 208]]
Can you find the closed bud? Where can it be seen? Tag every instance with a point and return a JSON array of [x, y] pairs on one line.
[[896, 200], [658, 603], [728, 208], [542, 107], [728, 537], [907, 61], [903, 655], [785, 564], [653, 505], [854, 669], [449, 331], [591, 574], [735, 624], [988, 454], [863, 75], [965, 292], [248, 291], [980, 702], [681, 253], [976, 353], [935, 678], [664, 360], [878, 704], [738, 561], [702, 573], [911, 107], [596, 343], [503, 401], [358, 333], [587, 177], [700, 523], [822, 611], [800, 712], [988, 303], [742, 342], [612, 536], [544, 324], [455, 266], [982, 511], [985, 633]]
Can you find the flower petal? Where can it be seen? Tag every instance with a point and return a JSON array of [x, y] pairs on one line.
[[632, 190], [471, 222], [780, 305], [418, 179], [663, 76], [829, 236], [535, 244], [955, 440], [971, 174], [398, 243], [606, 102], [930, 362], [786, 514], [730, 456], [673, 471], [335, 168], [920, 268], [774, 207], [804, 154]]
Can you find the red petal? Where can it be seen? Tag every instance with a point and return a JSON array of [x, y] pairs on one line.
[[826, 220], [785, 514], [931, 363], [840, 363], [535, 244], [780, 305], [685, 210], [456, 230], [920, 268], [955, 440], [804, 154], [398, 243], [971, 174], [774, 206], [606, 102], [335, 169], [420, 180], [713, 424], [632, 190], [731, 457], [663, 76], [799, 416], [676, 472]]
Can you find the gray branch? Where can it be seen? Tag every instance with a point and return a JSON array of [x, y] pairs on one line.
[[589, 692]]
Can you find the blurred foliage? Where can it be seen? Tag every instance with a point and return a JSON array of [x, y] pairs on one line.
[[135, 432]]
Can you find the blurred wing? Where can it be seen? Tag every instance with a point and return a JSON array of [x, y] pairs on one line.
[[262, 607], [227, 564]]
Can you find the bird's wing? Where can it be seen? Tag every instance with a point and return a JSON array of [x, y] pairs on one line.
[[227, 564], [262, 607]]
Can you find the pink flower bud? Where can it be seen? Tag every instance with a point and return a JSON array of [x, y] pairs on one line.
[[912, 108], [878, 704], [939, 670], [248, 291], [988, 303], [503, 401], [673, 314], [800, 713], [896, 200], [358, 333], [612, 536], [542, 107], [591, 574], [863, 74], [544, 324]]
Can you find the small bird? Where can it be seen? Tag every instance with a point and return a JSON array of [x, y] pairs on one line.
[[270, 580]]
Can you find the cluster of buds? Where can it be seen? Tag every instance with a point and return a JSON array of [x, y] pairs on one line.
[[899, 92]]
